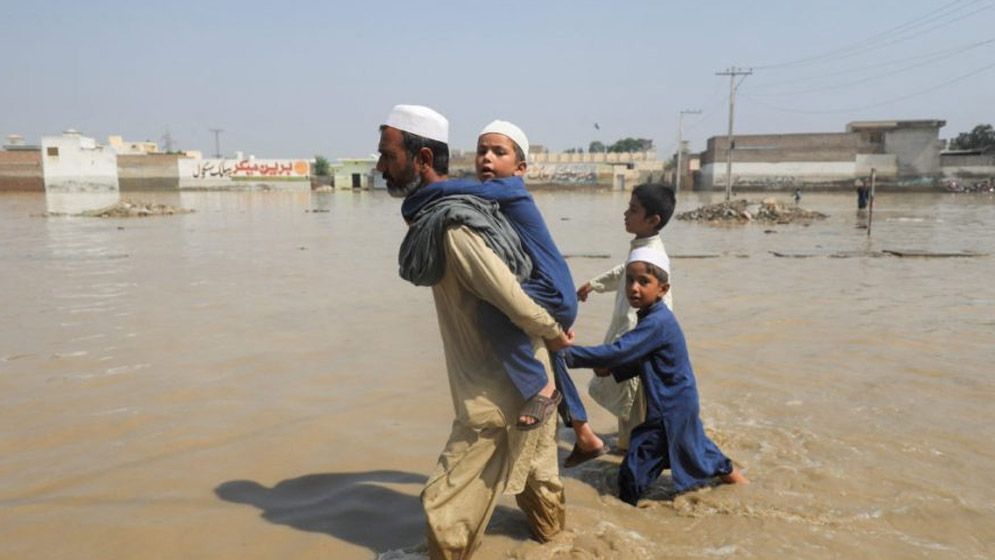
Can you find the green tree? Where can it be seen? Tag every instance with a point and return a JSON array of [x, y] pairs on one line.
[[626, 145], [320, 167], [595, 147], [980, 137]]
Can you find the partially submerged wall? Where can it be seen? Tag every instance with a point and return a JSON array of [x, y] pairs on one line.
[[234, 174], [21, 171], [72, 162], [152, 172], [966, 166], [780, 175]]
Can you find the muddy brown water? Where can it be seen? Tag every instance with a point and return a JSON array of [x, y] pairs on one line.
[[253, 380]]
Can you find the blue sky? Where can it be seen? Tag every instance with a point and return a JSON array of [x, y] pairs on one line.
[[294, 79]]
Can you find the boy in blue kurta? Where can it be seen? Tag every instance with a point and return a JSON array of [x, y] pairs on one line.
[[672, 435], [501, 160]]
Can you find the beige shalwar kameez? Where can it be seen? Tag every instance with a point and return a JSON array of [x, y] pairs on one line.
[[486, 455]]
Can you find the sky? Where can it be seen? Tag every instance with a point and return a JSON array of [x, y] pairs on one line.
[[299, 79]]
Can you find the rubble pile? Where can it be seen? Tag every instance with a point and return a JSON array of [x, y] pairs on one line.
[[767, 211], [128, 209]]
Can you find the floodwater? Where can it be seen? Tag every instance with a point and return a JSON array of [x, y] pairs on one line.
[[253, 380]]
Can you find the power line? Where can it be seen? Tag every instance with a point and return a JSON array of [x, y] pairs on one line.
[[868, 43], [879, 76], [889, 63], [878, 104], [920, 32], [908, 29]]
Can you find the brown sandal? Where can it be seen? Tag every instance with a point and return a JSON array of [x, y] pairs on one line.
[[577, 456], [539, 408]]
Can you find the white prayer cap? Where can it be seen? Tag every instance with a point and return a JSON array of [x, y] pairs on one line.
[[650, 255], [420, 120], [509, 130]]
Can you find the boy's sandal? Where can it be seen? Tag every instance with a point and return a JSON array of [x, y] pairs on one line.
[[539, 409]]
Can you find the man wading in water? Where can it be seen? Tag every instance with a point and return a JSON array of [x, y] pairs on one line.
[[453, 245]]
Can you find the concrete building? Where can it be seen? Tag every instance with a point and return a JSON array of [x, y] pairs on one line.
[[128, 147], [73, 162], [621, 171], [616, 170], [355, 173], [903, 154]]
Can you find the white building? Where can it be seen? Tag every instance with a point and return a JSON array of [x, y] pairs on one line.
[[73, 162]]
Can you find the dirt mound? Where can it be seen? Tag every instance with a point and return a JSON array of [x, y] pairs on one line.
[[128, 209], [767, 211]]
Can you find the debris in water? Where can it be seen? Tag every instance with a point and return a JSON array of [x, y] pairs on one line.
[[930, 254], [125, 209], [769, 211]]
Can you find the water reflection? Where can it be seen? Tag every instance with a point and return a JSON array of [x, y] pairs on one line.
[[76, 202]]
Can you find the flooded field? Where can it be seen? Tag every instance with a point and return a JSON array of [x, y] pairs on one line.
[[253, 380]]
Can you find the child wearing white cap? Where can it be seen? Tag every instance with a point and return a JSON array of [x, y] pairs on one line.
[[651, 206], [672, 437], [501, 161]]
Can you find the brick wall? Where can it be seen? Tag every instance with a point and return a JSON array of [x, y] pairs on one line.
[[21, 171]]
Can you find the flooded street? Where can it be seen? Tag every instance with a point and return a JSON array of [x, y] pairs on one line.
[[254, 380]]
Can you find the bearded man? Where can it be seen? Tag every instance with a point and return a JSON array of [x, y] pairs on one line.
[[463, 249]]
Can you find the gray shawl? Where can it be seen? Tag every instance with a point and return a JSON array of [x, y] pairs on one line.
[[422, 259]]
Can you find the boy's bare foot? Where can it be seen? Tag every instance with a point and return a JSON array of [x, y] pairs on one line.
[[587, 440], [589, 445], [735, 477]]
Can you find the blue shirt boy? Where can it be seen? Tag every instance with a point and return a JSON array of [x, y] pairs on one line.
[[550, 284]]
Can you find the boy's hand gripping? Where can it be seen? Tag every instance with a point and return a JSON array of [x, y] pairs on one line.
[[584, 290], [565, 339]]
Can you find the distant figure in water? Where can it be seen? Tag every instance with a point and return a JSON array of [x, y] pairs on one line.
[[798, 196], [863, 194], [672, 437]]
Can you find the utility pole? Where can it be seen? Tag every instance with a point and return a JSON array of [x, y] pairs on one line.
[[732, 72], [680, 145], [167, 141], [870, 208], [217, 141]]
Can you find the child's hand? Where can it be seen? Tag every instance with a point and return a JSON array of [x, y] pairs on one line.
[[564, 340], [584, 290], [602, 372]]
